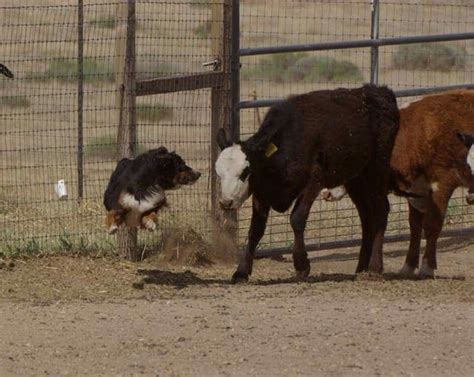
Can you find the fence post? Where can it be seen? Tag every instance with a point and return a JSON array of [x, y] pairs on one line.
[[223, 100], [80, 100], [125, 103], [374, 50]]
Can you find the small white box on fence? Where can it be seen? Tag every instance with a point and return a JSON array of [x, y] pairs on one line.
[[60, 189]]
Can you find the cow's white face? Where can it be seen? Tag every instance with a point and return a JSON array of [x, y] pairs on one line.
[[470, 158], [233, 169]]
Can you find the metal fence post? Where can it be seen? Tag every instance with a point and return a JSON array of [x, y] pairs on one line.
[[374, 50], [126, 101], [80, 100]]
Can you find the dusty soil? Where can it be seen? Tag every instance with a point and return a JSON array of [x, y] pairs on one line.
[[101, 316]]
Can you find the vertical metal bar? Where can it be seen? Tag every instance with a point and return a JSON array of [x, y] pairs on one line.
[[80, 100], [235, 69], [374, 50]]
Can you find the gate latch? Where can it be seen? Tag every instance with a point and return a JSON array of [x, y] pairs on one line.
[[215, 64]]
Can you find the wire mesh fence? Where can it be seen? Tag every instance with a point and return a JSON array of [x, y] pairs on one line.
[[39, 139]]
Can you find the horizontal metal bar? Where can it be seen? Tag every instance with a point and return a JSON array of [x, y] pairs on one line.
[[398, 93], [338, 45], [430, 90], [266, 253], [259, 103], [179, 83]]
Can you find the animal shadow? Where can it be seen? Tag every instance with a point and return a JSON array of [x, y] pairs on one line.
[[178, 280], [319, 278]]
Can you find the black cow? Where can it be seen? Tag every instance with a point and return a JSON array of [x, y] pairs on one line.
[[309, 142]]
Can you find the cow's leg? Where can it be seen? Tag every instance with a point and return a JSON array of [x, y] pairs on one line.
[[357, 190], [415, 219], [432, 225], [258, 224], [298, 218], [381, 208]]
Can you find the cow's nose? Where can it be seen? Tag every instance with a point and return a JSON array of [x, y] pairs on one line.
[[226, 203]]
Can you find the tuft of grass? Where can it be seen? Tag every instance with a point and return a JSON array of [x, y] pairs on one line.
[[154, 113], [15, 101], [324, 69], [275, 68], [303, 67], [203, 30], [104, 22], [200, 3], [430, 56], [105, 147], [66, 70]]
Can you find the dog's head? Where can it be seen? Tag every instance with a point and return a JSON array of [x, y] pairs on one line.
[[172, 169]]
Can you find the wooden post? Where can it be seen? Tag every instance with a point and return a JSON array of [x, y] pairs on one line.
[[125, 103], [80, 100], [221, 103]]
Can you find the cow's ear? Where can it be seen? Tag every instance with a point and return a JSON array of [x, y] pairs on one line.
[[222, 141], [467, 139]]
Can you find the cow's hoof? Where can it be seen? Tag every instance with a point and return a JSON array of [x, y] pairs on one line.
[[425, 271], [239, 277], [303, 275], [407, 272]]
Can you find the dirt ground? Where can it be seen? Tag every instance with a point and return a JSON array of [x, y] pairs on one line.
[[102, 316]]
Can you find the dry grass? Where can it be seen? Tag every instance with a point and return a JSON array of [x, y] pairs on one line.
[[40, 141]]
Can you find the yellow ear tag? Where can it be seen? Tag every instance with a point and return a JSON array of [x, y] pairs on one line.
[[272, 148]]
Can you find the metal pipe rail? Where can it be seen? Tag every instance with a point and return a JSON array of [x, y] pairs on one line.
[[399, 93], [339, 45]]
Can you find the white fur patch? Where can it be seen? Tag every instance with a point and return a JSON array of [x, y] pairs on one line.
[[149, 224], [407, 104], [229, 166], [128, 201], [113, 228], [470, 158], [434, 186], [337, 193], [425, 270]]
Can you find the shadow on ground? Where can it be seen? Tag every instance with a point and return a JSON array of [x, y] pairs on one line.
[[176, 279]]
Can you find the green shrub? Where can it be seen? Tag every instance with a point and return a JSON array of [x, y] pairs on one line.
[[14, 101], [324, 69], [105, 147], [275, 68], [306, 68], [154, 113], [430, 56], [203, 30], [201, 3], [66, 70], [104, 22]]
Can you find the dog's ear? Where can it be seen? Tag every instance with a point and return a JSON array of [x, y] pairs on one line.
[[222, 141], [467, 139], [162, 150]]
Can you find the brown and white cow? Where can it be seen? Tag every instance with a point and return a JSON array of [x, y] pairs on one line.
[[433, 155]]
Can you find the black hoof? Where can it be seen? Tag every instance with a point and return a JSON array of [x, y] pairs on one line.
[[302, 275], [240, 277]]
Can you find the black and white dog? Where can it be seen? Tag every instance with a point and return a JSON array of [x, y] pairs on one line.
[[136, 189]]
